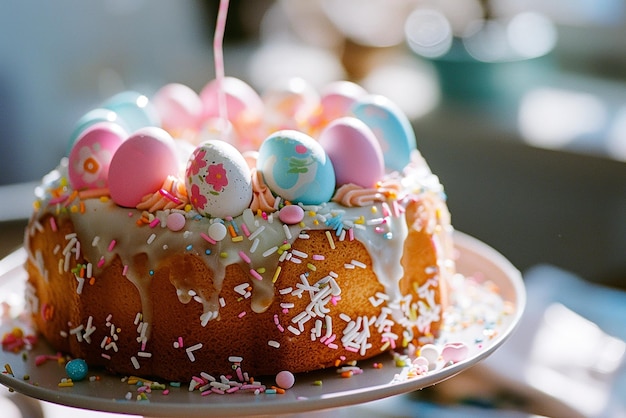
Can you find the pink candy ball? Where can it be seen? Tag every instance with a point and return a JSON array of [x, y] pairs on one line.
[[140, 165], [285, 379], [175, 221]]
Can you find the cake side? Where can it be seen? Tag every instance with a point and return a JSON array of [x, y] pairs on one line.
[[139, 298]]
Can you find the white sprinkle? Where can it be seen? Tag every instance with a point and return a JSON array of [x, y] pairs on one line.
[[135, 362], [151, 238], [81, 283], [287, 231], [207, 377], [95, 241], [298, 253], [285, 290], [144, 354], [273, 343], [256, 233], [294, 330], [63, 334], [137, 318], [304, 236], [270, 251], [358, 264], [349, 266], [222, 302], [286, 305], [191, 349], [254, 245], [242, 288], [235, 359]]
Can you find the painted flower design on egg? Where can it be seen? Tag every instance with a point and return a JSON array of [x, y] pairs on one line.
[[197, 162], [217, 177], [198, 200], [91, 162], [300, 165]]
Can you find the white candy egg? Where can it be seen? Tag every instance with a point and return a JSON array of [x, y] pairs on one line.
[[218, 180]]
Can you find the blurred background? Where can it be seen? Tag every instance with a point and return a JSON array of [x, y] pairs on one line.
[[518, 105]]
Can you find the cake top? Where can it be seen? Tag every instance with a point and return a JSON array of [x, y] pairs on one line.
[[292, 145]]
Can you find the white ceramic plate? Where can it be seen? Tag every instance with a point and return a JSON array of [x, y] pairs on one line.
[[488, 313]]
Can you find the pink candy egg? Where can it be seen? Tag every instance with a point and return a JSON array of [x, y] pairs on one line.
[[141, 165], [218, 180], [241, 99], [179, 107], [338, 97], [91, 155], [244, 108], [354, 151]]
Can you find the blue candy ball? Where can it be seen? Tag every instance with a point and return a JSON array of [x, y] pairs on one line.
[[76, 369]]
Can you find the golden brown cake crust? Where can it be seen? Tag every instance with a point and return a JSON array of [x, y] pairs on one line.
[[266, 341]]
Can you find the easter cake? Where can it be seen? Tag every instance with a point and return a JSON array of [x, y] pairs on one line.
[[298, 231]]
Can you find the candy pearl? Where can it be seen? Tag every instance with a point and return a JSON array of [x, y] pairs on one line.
[[291, 214], [285, 379], [76, 369], [430, 352], [175, 221], [217, 231]]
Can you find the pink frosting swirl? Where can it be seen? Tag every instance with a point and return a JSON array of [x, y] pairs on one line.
[[351, 195], [172, 195]]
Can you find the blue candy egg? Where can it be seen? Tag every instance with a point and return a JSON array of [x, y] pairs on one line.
[[295, 167], [134, 109], [391, 127], [76, 369], [91, 118]]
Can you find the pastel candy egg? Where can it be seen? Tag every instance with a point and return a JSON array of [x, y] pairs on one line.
[[391, 127], [179, 108], [243, 105], [290, 103], [141, 165], [218, 180], [291, 214], [134, 109], [296, 167], [354, 151], [337, 98], [90, 158], [240, 98], [91, 118]]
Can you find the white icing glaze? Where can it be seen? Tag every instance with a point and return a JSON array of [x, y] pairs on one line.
[[105, 230]]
